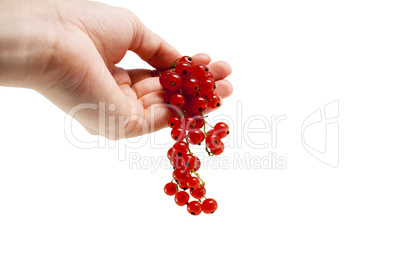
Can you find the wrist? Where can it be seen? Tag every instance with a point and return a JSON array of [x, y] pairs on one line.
[[26, 48]]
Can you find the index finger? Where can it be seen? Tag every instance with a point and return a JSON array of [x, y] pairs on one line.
[[151, 48]]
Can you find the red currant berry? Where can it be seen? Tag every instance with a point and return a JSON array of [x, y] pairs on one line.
[[187, 106], [221, 130], [178, 133], [189, 123], [210, 132], [199, 121], [183, 68], [167, 95], [190, 86], [195, 136], [176, 161], [174, 121], [173, 81], [162, 79], [207, 86], [180, 175], [191, 109], [186, 59], [197, 163], [183, 184], [199, 103], [188, 162], [219, 150], [170, 153], [170, 188], [199, 192], [181, 198], [177, 100], [210, 75], [192, 183], [194, 208], [213, 142], [180, 148], [214, 101], [209, 206], [200, 71]]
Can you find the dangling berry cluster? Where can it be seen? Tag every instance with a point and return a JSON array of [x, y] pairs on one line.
[[189, 90]]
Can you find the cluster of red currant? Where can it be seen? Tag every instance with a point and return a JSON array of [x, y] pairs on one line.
[[189, 91]]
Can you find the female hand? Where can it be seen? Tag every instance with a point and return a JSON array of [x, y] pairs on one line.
[[68, 51]]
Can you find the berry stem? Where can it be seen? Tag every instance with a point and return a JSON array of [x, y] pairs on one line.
[[205, 133], [174, 64], [209, 153], [202, 183], [205, 121], [203, 190], [188, 145], [198, 176]]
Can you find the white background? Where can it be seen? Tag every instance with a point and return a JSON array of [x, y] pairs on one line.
[[63, 206]]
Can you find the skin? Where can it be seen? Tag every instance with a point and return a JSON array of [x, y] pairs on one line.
[[68, 51]]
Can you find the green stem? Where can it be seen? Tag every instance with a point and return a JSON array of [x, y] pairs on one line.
[[174, 64], [205, 133], [203, 190], [198, 176], [202, 183], [188, 145], [208, 123], [209, 153]]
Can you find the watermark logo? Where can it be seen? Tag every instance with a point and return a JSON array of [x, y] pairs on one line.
[[256, 133], [270, 161], [320, 134]]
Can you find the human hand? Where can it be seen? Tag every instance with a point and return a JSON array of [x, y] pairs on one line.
[[68, 51]]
